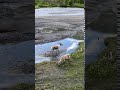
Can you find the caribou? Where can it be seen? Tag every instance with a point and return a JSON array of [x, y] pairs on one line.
[[56, 47], [64, 58]]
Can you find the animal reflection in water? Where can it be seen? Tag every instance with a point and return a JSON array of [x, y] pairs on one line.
[[54, 51]]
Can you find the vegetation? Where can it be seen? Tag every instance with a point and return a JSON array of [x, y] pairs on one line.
[[101, 74], [50, 76], [25, 67], [59, 3], [79, 36], [23, 86]]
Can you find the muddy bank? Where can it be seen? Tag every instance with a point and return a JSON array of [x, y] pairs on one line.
[[104, 69], [48, 28]]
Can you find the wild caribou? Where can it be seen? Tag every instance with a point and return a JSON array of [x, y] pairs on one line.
[[56, 47], [64, 58]]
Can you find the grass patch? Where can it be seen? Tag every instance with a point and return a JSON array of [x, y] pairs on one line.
[[59, 3], [104, 69], [79, 36], [50, 76], [23, 86]]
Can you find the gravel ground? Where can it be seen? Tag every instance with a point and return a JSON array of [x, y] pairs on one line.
[[50, 28]]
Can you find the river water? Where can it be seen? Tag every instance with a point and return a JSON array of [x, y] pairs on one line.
[[69, 44], [94, 46], [58, 11]]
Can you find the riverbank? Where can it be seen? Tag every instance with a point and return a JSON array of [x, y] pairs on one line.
[[50, 76], [96, 39], [104, 69], [67, 76], [60, 26], [54, 26]]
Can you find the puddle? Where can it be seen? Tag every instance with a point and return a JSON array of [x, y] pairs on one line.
[[69, 46]]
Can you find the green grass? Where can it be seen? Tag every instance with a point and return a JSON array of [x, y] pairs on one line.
[[23, 86], [67, 76], [75, 6], [59, 3], [79, 36]]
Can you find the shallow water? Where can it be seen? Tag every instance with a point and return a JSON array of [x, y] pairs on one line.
[[94, 46], [69, 46], [58, 11]]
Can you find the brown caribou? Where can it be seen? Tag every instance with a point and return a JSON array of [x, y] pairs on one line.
[[64, 58], [56, 47]]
